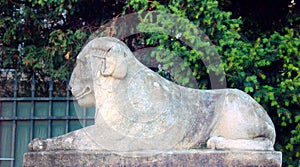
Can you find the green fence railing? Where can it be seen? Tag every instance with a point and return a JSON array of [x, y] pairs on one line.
[[25, 118]]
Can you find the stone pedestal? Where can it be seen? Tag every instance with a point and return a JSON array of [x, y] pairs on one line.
[[147, 158]]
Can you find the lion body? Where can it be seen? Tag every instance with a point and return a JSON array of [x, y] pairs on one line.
[[136, 109]]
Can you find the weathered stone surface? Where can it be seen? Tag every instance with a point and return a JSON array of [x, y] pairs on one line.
[[136, 109], [189, 158]]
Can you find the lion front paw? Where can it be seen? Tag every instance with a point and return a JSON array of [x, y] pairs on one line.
[[214, 143], [37, 144]]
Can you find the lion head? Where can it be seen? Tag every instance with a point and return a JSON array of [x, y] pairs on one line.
[[101, 57]]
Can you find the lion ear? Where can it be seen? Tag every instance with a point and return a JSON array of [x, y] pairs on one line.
[[115, 64], [109, 65], [121, 67]]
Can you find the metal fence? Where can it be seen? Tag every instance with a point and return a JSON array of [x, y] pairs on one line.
[[25, 118]]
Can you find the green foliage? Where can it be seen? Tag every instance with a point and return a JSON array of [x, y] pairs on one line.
[[35, 37], [267, 68], [270, 73], [46, 36]]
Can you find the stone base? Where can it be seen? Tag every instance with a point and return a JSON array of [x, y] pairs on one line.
[[188, 158]]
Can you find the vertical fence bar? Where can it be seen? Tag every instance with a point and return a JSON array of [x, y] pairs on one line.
[[50, 106], [14, 115], [68, 105], [32, 106]]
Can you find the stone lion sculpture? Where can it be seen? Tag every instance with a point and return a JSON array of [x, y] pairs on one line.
[[136, 109]]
